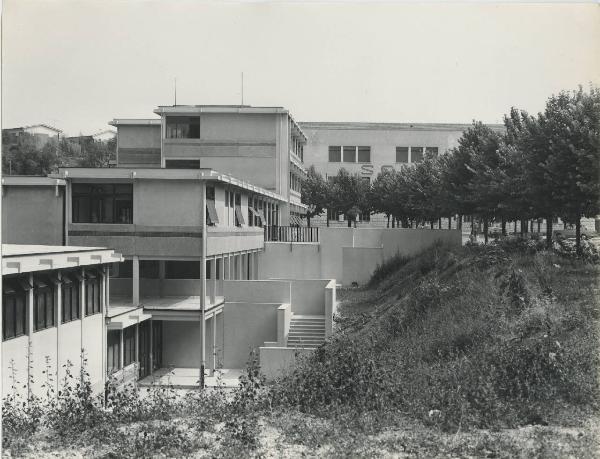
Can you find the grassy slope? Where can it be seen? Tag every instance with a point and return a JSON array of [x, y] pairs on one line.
[[470, 352], [465, 339]]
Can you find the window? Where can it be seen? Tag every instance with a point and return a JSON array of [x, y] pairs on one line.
[[401, 154], [335, 154], [182, 164], [239, 218], [181, 269], [149, 269], [113, 354], [70, 298], [183, 127], [431, 152], [416, 154], [364, 154], [14, 308], [102, 203], [128, 345], [211, 211], [43, 303], [349, 154], [92, 293]]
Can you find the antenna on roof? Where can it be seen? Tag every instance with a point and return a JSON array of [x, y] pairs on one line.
[[242, 88], [175, 92]]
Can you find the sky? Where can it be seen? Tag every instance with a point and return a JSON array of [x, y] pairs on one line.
[[78, 64]]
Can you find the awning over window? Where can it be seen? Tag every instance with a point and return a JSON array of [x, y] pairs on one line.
[[212, 212], [239, 216]]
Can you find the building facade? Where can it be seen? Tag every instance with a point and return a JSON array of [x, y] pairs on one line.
[[54, 304], [261, 145]]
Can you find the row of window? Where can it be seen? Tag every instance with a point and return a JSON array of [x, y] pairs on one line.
[[353, 154], [15, 291], [102, 203], [295, 182], [174, 269]]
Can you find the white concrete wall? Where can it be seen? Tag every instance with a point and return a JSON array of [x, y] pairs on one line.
[[275, 361], [257, 291], [330, 259], [247, 326], [181, 344], [359, 264]]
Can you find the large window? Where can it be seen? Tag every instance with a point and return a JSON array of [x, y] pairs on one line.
[[401, 154], [102, 203], [183, 127], [70, 298], [416, 154], [335, 154], [113, 347], [182, 164], [14, 308], [43, 303], [93, 285], [129, 345], [431, 152], [349, 154], [364, 154]]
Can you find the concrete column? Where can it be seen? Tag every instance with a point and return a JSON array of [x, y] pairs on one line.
[[121, 350], [104, 303], [213, 280], [29, 330], [151, 346], [137, 346], [136, 281], [57, 322], [250, 265], [240, 266]]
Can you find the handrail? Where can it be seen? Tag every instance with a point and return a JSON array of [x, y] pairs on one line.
[[291, 234]]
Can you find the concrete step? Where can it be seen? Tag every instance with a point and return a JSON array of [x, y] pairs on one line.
[[307, 321], [307, 327]]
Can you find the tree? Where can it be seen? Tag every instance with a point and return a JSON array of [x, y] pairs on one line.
[[26, 158], [348, 191], [314, 193]]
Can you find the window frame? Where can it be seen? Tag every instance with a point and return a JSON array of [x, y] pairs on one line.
[[74, 289], [11, 300], [365, 148], [335, 149], [94, 281], [113, 348], [47, 310], [402, 150], [350, 149], [95, 199], [129, 345]]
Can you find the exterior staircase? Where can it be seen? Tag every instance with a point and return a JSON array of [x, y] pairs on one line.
[[306, 331]]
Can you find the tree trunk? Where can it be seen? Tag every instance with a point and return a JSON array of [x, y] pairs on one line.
[[539, 225], [308, 220], [531, 226], [564, 225], [549, 232], [522, 229], [327, 218], [388, 221], [515, 227], [431, 223], [349, 222], [503, 227], [485, 230], [440, 223], [450, 222], [459, 222], [393, 221], [578, 234]]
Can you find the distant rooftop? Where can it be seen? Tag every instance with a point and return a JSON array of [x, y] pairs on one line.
[[349, 125], [47, 126]]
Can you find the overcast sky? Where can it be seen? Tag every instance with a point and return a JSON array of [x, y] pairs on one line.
[[78, 64]]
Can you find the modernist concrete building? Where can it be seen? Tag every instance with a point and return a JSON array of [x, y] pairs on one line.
[[369, 148], [261, 145], [54, 305]]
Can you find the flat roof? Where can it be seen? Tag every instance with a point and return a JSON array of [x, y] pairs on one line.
[[31, 180], [343, 125], [26, 258], [154, 173], [135, 122], [14, 250]]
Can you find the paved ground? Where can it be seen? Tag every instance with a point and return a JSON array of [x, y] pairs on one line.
[[187, 378]]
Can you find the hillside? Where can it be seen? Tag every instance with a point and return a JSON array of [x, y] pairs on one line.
[[465, 352]]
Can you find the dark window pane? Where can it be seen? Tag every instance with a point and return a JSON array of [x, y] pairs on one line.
[[416, 154], [364, 154], [125, 269], [335, 154], [431, 152], [401, 154], [149, 269], [21, 314], [102, 203], [8, 316], [49, 309], [182, 269], [183, 127], [182, 164], [349, 154]]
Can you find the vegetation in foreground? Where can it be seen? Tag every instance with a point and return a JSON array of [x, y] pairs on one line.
[[480, 351]]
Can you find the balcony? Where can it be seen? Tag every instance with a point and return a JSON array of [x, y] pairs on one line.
[[291, 234]]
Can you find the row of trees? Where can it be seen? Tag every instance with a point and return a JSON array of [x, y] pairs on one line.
[[28, 157], [539, 167]]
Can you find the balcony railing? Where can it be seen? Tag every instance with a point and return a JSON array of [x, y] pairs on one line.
[[291, 234]]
